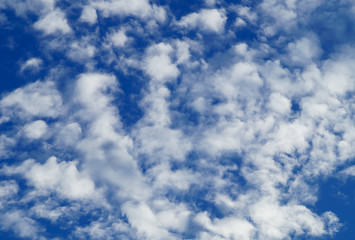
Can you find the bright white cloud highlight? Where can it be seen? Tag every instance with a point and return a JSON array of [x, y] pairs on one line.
[[36, 129], [60, 177], [139, 8], [158, 63], [211, 20], [52, 23], [279, 103]]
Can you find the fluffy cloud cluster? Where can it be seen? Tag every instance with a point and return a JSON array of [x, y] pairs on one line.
[[156, 124]]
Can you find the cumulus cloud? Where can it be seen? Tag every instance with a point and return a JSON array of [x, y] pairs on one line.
[[52, 23], [119, 38], [36, 99], [158, 63], [304, 50], [17, 222], [144, 220], [62, 178], [89, 15], [164, 133], [36, 129], [155, 124], [81, 51], [139, 8], [106, 148], [228, 228], [279, 103], [245, 14], [275, 221], [211, 20], [286, 15]]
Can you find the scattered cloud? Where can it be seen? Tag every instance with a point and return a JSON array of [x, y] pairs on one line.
[[32, 64], [89, 15], [52, 23], [23, 226], [38, 99], [36, 129], [210, 20], [139, 8], [175, 121]]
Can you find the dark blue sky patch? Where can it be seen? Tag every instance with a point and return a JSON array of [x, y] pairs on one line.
[[16, 46], [337, 195]]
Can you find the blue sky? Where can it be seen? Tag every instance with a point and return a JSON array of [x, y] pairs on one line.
[[169, 119]]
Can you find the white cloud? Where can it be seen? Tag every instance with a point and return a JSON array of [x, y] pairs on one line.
[[304, 50], [52, 23], [279, 103], [105, 228], [32, 64], [285, 15], [154, 136], [69, 134], [20, 224], [240, 22], [158, 63], [34, 6], [210, 20], [119, 38], [211, 116], [337, 73], [5, 144], [88, 15], [144, 220], [106, 149], [139, 8], [8, 189], [174, 146], [172, 216], [48, 210], [164, 177], [36, 99], [277, 222], [62, 178], [238, 84], [81, 51], [278, 78], [210, 2], [91, 87], [228, 227], [183, 52], [4, 119], [36, 129], [350, 171], [245, 13]]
